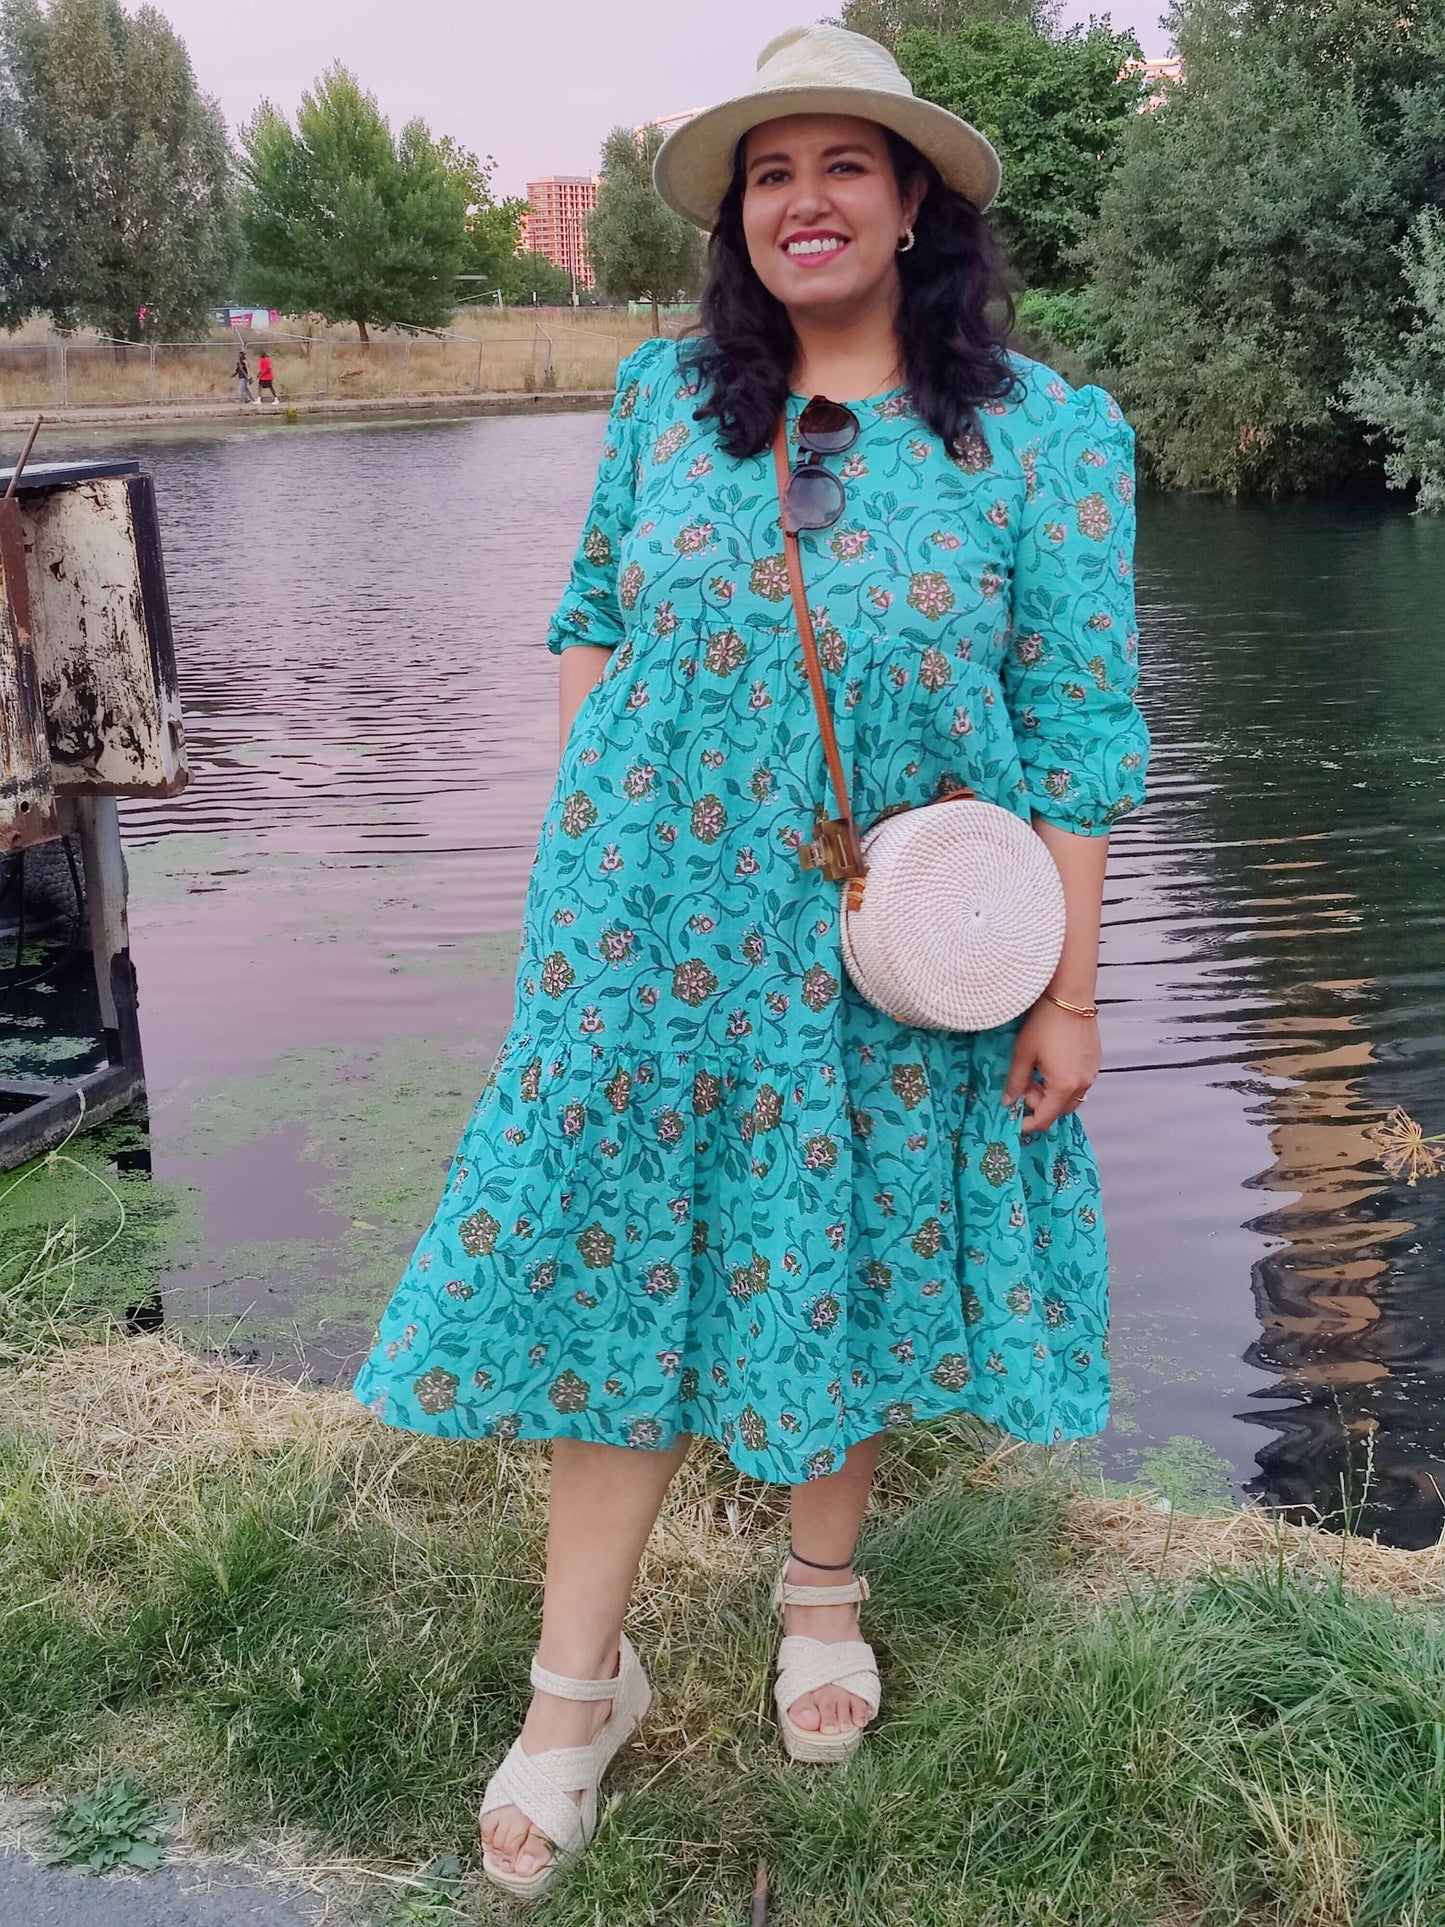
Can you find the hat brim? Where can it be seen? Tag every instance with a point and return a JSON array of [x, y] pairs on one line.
[[694, 166]]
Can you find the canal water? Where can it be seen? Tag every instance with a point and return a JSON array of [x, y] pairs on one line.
[[324, 926]]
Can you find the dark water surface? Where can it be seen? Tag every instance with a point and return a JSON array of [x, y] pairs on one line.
[[371, 717]]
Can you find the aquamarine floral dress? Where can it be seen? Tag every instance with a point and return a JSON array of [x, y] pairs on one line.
[[707, 1187]]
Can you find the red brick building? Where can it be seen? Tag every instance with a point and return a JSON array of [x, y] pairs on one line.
[[554, 223]]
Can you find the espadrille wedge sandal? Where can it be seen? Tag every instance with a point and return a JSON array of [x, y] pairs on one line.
[[805, 1664], [541, 1785]]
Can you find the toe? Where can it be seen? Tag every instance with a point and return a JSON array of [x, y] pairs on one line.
[[535, 1851], [804, 1713], [503, 1831], [830, 1702], [860, 1711]]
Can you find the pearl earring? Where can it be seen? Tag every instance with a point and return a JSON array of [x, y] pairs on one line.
[[907, 242]]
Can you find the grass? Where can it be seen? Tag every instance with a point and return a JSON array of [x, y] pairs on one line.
[[521, 351], [241, 1596]]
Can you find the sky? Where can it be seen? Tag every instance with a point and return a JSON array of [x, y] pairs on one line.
[[536, 83]]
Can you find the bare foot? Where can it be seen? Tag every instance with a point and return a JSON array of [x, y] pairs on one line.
[[507, 1834], [830, 1709]]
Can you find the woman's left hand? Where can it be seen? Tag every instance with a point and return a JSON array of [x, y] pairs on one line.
[[1065, 1051]]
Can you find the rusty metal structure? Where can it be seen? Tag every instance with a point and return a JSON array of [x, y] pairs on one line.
[[89, 712]]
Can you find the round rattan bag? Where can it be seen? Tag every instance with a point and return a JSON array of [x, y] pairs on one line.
[[959, 922]]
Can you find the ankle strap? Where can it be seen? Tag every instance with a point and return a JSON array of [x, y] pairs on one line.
[[786, 1595], [563, 1688]]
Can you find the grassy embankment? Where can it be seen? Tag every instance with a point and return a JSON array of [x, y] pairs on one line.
[[585, 347], [256, 1601]]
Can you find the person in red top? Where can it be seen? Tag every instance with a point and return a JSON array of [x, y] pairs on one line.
[[264, 382]]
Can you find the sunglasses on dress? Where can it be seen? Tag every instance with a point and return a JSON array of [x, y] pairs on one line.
[[815, 497]]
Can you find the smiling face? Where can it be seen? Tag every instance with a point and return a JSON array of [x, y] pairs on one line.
[[823, 212]]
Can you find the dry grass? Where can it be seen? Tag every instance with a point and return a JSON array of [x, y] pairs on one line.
[[132, 1410], [521, 351], [1119, 1540]]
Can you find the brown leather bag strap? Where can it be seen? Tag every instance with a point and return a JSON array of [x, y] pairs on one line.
[[847, 851]]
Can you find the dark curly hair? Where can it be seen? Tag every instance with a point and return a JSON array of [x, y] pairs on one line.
[[955, 315]]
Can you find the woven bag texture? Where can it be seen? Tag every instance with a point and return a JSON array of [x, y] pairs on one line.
[[961, 923]]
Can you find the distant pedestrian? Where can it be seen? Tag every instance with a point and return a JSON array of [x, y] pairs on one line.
[[265, 385], [243, 375]]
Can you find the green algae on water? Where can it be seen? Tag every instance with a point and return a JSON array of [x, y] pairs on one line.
[[86, 1236]]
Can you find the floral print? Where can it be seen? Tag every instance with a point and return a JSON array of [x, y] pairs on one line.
[[707, 1187]]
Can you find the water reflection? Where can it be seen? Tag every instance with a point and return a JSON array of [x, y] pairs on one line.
[[359, 617], [1296, 850]]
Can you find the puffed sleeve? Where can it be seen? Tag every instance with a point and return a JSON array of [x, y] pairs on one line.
[[590, 610], [1071, 669]]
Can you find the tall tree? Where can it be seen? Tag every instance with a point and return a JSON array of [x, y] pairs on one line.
[[342, 219], [493, 227], [23, 222], [886, 20], [133, 231], [641, 250], [1055, 107], [1246, 257], [1401, 390]]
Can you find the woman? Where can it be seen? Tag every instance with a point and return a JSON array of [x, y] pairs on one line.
[[708, 1187]]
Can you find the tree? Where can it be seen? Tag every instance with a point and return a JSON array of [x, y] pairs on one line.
[[1055, 107], [887, 20], [1245, 260], [530, 274], [133, 228], [641, 250], [340, 218], [1402, 390], [493, 228], [22, 214]]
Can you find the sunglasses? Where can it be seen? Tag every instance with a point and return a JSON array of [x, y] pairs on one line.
[[815, 497]]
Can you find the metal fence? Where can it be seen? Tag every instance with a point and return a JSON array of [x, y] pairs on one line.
[[97, 372]]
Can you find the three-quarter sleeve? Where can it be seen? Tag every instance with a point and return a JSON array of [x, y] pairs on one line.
[[590, 610], [1071, 667]]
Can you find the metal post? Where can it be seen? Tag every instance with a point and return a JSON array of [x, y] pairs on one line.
[[98, 820], [152, 388], [477, 384], [64, 374]]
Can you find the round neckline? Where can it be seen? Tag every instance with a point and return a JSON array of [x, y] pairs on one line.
[[863, 401]]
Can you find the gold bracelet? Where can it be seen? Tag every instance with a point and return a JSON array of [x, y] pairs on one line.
[[1076, 1010]]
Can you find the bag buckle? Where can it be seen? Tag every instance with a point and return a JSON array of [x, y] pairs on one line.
[[836, 848]]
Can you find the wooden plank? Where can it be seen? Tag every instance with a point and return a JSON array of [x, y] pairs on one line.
[[41, 1126], [156, 609], [103, 648], [23, 1090], [37, 475], [27, 790]]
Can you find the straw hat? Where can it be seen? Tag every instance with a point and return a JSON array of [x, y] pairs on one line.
[[819, 70]]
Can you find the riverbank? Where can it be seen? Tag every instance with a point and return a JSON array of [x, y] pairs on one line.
[[309, 1632], [355, 408]]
